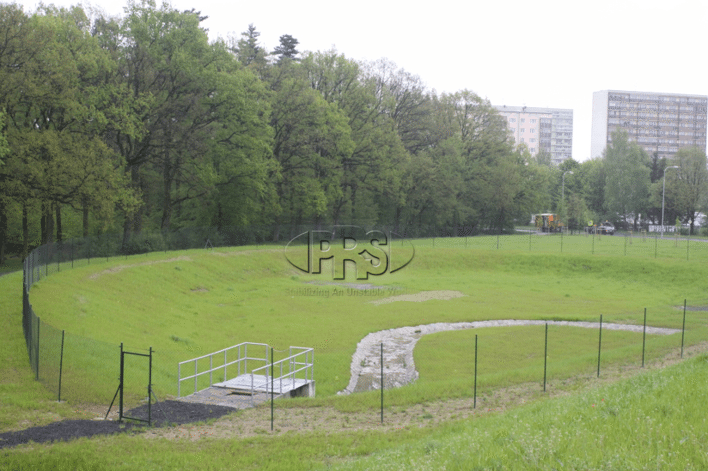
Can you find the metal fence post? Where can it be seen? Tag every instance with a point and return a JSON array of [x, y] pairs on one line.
[[599, 348], [61, 364], [644, 336], [120, 386], [475, 372], [382, 385], [545, 357], [150, 388], [272, 390], [683, 327], [36, 359]]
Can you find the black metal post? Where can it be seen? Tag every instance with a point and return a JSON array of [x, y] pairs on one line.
[[644, 336], [382, 383], [120, 386], [545, 358], [150, 388], [593, 241], [656, 242], [475, 372], [599, 348], [61, 364], [272, 390], [683, 327], [36, 351]]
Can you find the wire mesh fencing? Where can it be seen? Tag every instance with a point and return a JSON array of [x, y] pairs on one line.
[[86, 370]]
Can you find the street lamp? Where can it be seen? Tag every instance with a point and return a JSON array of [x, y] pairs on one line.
[[563, 191], [663, 194]]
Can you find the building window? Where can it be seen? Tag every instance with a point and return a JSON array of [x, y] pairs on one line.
[[513, 120], [532, 140], [523, 130], [523, 120], [532, 130], [533, 120], [522, 139]]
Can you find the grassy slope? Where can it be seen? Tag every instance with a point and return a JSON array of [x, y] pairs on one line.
[[20, 393], [23, 401], [196, 302]]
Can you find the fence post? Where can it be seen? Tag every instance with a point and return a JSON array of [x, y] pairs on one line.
[[656, 242], [382, 383], [688, 242], [644, 336], [475, 372], [272, 389], [545, 357], [593, 243], [61, 364], [561, 240], [683, 327], [36, 351], [599, 348], [150, 388], [120, 386]]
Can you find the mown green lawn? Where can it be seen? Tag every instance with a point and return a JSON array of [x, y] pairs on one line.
[[189, 303]]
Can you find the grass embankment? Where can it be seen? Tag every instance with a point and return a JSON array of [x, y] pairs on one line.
[[648, 246], [196, 302], [655, 420], [200, 302]]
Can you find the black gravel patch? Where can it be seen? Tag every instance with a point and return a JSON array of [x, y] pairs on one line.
[[163, 414]]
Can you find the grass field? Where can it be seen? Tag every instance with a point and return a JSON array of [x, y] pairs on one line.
[[192, 302]]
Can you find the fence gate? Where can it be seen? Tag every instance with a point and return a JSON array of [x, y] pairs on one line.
[[121, 380]]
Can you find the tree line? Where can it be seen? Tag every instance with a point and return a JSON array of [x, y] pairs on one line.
[[140, 123]]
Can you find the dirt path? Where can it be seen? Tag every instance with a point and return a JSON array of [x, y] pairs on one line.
[[304, 419]]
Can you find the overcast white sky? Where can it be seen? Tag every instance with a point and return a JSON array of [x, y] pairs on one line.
[[545, 53]]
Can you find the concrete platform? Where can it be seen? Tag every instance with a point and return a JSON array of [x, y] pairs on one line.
[[282, 387]]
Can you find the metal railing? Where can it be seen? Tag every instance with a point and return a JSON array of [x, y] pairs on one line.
[[240, 360], [292, 362]]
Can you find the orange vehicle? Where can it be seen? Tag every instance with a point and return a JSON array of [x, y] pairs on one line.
[[547, 222]]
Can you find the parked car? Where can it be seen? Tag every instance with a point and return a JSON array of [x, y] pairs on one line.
[[606, 228]]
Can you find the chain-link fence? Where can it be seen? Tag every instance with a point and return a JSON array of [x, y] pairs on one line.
[[81, 369]]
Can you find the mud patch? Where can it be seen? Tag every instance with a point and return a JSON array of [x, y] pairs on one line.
[[120, 268], [421, 297]]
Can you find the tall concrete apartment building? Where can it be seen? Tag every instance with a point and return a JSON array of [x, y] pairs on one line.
[[549, 129], [659, 122]]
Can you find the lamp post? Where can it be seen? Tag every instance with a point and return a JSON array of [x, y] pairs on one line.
[[563, 191], [663, 194]]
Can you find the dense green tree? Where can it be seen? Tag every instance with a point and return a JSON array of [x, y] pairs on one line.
[[249, 52], [311, 139], [687, 186], [56, 113], [371, 173], [402, 97], [204, 118], [287, 48], [627, 178]]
